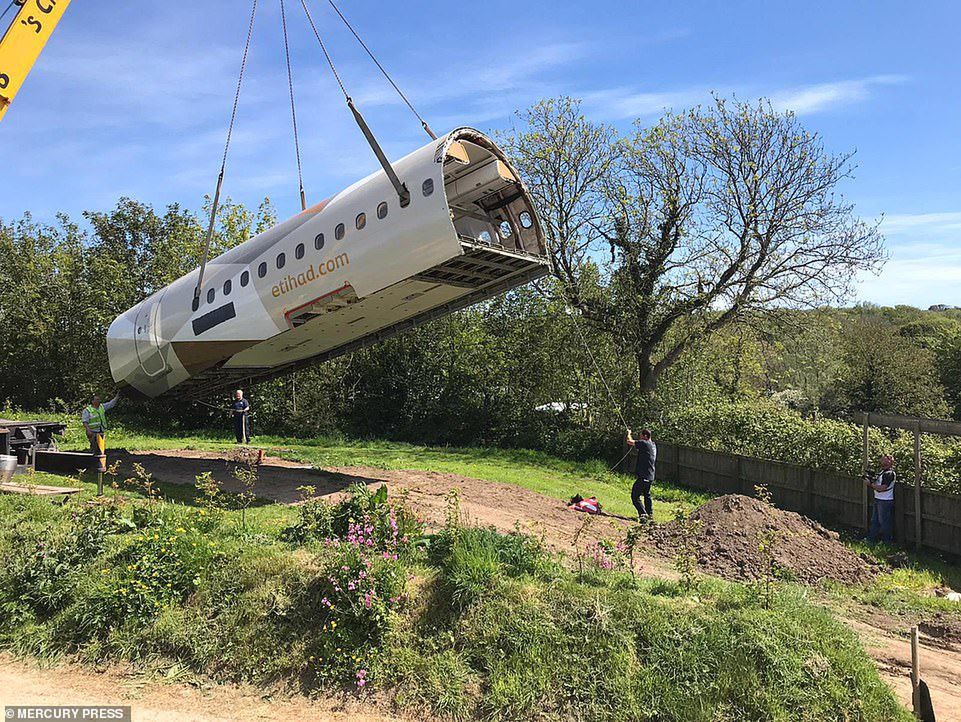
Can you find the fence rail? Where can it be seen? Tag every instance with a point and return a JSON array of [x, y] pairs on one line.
[[833, 499]]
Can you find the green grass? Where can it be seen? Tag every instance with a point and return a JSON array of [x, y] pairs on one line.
[[537, 471], [907, 585], [491, 626], [907, 591]]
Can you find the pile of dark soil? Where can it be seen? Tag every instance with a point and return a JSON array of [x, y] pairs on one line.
[[727, 543]]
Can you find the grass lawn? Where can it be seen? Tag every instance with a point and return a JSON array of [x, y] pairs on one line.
[[537, 471], [906, 590]]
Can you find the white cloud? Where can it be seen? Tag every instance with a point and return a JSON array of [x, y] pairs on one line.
[[919, 281], [921, 223], [626, 102], [621, 103], [925, 261], [823, 96]]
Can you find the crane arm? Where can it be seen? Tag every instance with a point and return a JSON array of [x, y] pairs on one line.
[[22, 43]]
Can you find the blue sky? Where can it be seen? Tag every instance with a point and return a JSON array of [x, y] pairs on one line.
[[132, 98]]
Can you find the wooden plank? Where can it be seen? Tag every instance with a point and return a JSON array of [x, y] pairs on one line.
[[919, 515], [909, 423], [38, 489], [865, 513]]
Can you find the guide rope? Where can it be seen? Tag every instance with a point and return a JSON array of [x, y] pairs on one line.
[[597, 367], [380, 67], [293, 111], [601, 376], [223, 164]]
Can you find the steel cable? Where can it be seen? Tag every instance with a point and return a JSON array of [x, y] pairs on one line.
[[293, 111], [383, 70], [223, 162], [323, 47]]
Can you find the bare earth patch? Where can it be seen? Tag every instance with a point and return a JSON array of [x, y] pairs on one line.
[[483, 503], [26, 683], [727, 543]]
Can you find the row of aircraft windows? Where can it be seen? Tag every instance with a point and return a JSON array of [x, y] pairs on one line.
[[340, 230]]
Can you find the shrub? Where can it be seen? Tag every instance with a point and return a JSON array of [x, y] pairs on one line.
[[391, 523], [46, 576], [159, 565], [769, 431]]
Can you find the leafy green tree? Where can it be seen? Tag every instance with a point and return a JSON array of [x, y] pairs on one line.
[[709, 217], [948, 354], [885, 372]]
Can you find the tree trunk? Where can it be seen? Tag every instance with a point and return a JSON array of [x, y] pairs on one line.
[[646, 373]]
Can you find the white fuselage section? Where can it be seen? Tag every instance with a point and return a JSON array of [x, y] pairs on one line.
[[344, 270]]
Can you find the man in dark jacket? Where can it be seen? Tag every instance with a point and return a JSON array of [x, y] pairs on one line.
[[644, 470], [239, 410]]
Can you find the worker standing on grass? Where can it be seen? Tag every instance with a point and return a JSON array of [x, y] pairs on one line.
[[644, 469], [239, 409], [882, 520], [94, 418]]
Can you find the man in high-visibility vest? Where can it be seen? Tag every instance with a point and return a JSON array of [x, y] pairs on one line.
[[94, 419]]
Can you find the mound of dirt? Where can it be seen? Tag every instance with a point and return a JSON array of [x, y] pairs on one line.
[[727, 543]]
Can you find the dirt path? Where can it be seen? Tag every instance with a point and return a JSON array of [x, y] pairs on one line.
[[891, 651], [483, 503], [508, 507], [23, 683]]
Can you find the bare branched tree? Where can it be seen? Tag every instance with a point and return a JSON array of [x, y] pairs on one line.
[[701, 221]]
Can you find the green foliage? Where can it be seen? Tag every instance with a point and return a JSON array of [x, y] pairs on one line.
[[685, 561], [476, 561], [158, 565], [769, 431], [61, 286], [948, 353], [886, 372], [319, 520], [44, 574], [526, 650], [492, 627]]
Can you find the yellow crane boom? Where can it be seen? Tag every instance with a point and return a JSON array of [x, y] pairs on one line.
[[21, 45]]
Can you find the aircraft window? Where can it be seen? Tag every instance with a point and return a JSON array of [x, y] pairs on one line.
[[319, 241], [340, 231], [505, 229], [281, 260], [262, 269], [428, 187], [299, 251], [244, 278], [210, 296], [361, 221], [228, 286], [484, 237], [382, 211], [525, 219], [196, 303]]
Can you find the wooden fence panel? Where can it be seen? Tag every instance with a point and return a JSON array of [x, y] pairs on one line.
[[787, 484], [836, 499], [941, 521]]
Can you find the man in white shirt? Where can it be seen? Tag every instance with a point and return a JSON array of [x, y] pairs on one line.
[[882, 520]]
